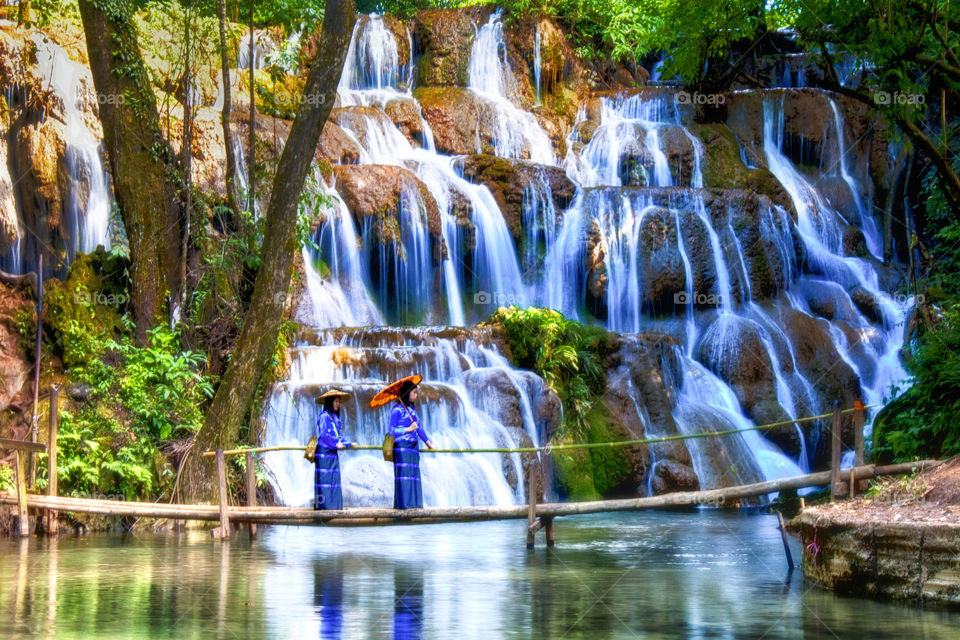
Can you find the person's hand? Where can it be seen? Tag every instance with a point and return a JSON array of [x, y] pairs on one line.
[[340, 445], [411, 428], [354, 444], [430, 445]]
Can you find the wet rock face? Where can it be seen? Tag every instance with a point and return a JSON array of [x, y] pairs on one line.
[[640, 399], [405, 114], [43, 175], [915, 563], [377, 192], [510, 180], [445, 38]]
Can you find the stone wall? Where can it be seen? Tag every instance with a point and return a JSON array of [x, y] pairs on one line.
[[915, 562]]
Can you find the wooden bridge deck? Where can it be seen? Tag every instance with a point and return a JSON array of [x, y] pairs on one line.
[[372, 516]]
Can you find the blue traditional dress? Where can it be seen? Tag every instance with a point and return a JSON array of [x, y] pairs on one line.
[[327, 493], [407, 492]]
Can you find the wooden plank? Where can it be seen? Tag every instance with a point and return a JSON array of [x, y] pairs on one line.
[[252, 489], [22, 496], [52, 524], [22, 445], [835, 451], [222, 494]]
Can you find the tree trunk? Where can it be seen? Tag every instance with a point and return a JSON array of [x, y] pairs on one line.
[[251, 191], [257, 340], [145, 173], [225, 114], [23, 13], [186, 161]]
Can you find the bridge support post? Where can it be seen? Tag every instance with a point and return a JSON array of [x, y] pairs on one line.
[[531, 502], [835, 451], [252, 489], [224, 533], [51, 523], [22, 515], [859, 418], [546, 475]]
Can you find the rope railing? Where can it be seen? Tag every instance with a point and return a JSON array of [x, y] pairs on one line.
[[562, 447]]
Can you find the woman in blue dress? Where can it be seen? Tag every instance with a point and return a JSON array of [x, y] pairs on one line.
[[407, 431], [327, 493]]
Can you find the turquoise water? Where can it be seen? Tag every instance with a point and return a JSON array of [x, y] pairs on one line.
[[645, 575]]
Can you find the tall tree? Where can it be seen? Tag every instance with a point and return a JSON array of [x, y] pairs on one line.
[[262, 320], [146, 178], [227, 106]]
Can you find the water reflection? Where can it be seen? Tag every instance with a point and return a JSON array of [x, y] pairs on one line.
[[654, 575], [407, 603], [328, 598]]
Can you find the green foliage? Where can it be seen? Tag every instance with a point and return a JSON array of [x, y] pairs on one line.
[[922, 423], [567, 354], [6, 477], [84, 310], [137, 397], [314, 202]]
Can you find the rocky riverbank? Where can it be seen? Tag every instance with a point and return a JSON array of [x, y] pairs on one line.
[[901, 542]]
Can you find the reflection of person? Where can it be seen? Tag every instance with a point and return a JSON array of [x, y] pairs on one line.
[[328, 599], [327, 491], [408, 607], [407, 431]]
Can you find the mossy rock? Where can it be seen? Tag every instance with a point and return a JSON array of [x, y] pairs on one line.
[[278, 96], [723, 166], [85, 309]]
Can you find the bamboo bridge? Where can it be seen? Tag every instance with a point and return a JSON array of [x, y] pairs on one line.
[[538, 511]]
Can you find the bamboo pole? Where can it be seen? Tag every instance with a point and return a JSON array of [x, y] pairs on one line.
[[252, 489], [22, 515], [224, 533], [557, 447], [531, 501], [786, 542], [859, 418], [835, 450], [31, 466], [547, 479], [52, 524]]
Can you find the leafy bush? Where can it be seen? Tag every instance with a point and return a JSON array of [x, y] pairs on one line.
[[6, 477], [133, 398], [565, 353]]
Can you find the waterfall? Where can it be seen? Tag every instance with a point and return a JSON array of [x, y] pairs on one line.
[[868, 224], [462, 407], [537, 64], [87, 207], [818, 227], [517, 133], [640, 240]]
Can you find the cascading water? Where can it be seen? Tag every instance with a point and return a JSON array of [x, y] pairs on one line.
[[462, 406], [87, 207], [639, 223], [517, 132]]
